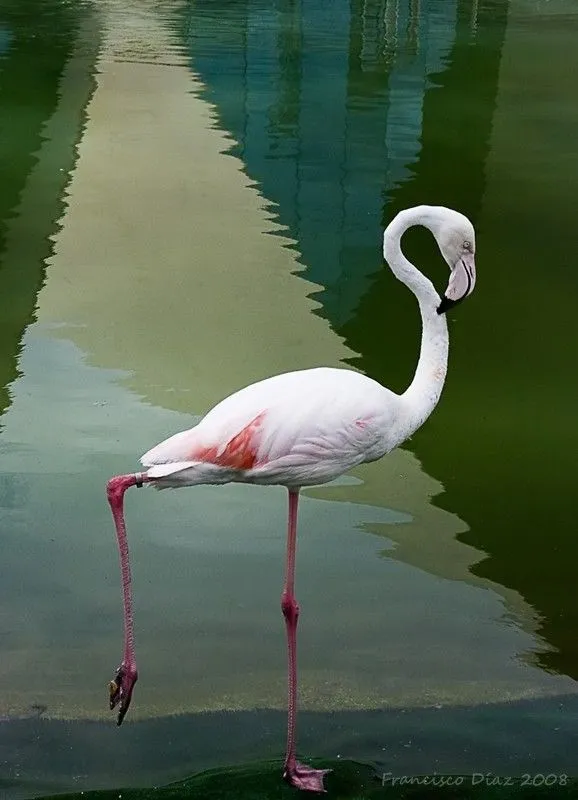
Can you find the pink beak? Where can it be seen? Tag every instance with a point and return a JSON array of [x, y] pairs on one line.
[[461, 283]]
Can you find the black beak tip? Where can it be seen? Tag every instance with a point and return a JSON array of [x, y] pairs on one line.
[[446, 304]]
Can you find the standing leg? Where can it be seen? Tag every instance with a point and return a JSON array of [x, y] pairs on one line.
[[297, 774], [122, 685]]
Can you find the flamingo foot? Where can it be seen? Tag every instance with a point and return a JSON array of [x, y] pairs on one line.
[[305, 778], [120, 689]]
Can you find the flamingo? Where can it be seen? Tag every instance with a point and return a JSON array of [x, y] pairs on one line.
[[306, 428]]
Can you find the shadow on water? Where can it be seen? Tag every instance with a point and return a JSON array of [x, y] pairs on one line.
[[389, 106], [37, 39]]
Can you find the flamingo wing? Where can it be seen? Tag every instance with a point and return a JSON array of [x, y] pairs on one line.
[[301, 428]]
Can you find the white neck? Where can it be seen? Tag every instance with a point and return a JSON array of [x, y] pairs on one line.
[[422, 395]]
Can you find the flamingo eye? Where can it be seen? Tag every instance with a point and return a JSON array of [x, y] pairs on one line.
[[467, 245]]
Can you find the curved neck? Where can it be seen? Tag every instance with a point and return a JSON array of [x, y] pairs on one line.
[[423, 393]]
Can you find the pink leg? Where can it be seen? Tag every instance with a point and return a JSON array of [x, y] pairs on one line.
[[297, 774], [122, 685]]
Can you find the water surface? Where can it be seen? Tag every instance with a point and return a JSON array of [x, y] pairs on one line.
[[195, 200]]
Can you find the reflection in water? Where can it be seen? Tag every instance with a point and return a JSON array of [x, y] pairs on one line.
[[106, 283], [36, 139], [187, 620], [407, 94], [167, 279], [522, 505], [494, 397], [408, 114], [324, 130], [5, 41]]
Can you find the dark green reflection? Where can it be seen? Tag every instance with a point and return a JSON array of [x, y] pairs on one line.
[[345, 118], [503, 439], [36, 40]]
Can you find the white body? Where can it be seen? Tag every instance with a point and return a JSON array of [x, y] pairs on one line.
[[337, 420]]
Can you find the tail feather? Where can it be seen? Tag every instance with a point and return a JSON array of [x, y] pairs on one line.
[[177, 448], [162, 470], [174, 474]]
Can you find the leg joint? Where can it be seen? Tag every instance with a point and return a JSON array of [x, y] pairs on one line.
[[289, 606]]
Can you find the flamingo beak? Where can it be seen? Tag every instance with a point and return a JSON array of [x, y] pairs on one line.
[[461, 283]]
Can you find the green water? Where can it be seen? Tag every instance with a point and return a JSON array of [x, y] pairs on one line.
[[163, 242]]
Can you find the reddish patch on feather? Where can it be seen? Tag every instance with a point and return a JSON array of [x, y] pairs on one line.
[[240, 452], [361, 423]]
